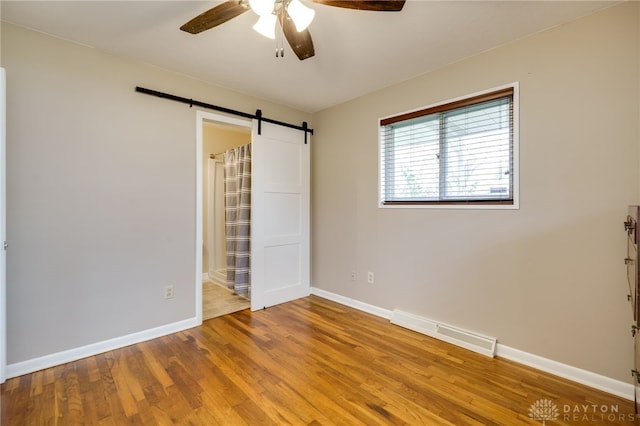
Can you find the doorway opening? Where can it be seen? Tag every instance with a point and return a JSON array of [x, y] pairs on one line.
[[280, 211], [216, 134]]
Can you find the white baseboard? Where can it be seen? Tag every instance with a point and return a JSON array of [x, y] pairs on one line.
[[361, 306], [216, 277], [598, 381], [587, 378], [36, 364]]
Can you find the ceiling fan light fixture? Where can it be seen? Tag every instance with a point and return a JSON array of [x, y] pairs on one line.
[[262, 7], [293, 17], [266, 25], [300, 14]]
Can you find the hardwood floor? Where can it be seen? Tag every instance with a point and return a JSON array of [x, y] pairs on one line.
[[310, 362]]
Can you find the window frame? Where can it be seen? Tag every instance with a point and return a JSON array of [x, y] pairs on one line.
[[448, 105]]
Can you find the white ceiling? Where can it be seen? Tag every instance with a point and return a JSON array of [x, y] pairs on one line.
[[357, 52]]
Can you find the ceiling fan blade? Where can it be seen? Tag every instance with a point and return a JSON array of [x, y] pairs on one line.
[[216, 16], [300, 42], [375, 5]]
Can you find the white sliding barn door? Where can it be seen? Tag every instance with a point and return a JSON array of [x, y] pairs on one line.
[[280, 215]]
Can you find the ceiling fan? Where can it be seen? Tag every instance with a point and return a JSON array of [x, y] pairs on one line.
[[291, 15]]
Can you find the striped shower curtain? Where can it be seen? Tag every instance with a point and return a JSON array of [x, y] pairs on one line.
[[237, 196]]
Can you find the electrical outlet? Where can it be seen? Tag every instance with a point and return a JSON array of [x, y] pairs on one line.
[[168, 292], [370, 277], [353, 276]]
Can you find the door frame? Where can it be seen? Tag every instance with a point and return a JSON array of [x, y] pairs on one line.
[[201, 117], [3, 228]]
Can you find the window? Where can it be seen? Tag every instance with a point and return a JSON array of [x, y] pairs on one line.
[[457, 153]]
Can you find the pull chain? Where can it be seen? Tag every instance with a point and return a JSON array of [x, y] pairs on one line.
[[280, 35]]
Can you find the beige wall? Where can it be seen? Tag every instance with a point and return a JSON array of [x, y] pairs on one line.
[[216, 138], [548, 278], [100, 193]]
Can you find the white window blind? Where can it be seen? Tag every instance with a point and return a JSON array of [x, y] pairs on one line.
[[460, 152]]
